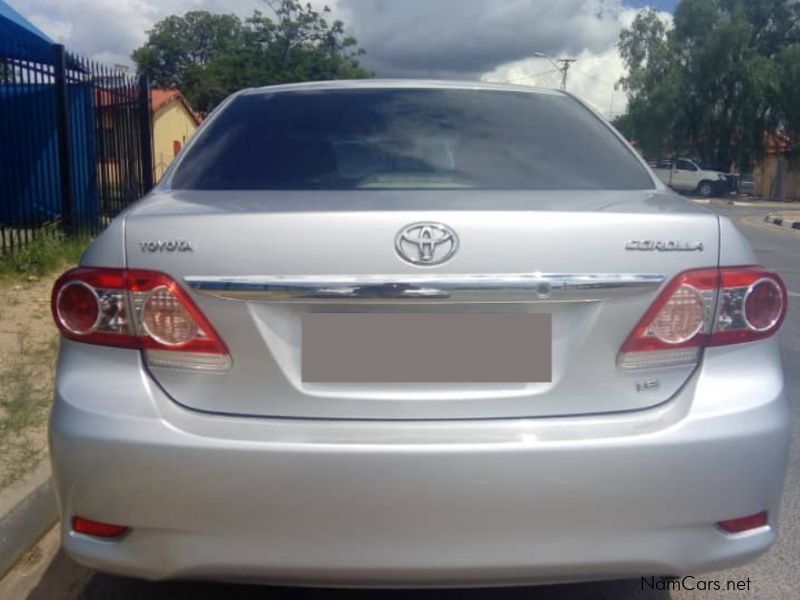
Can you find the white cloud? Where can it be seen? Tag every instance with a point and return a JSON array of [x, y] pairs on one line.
[[592, 77], [463, 39], [468, 37], [109, 30]]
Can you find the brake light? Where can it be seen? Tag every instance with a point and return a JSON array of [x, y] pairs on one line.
[[751, 306], [146, 310], [78, 308], [705, 307]]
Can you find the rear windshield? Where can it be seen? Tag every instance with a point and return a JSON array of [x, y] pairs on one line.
[[417, 139]]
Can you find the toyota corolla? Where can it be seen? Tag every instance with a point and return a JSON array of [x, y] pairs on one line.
[[416, 334]]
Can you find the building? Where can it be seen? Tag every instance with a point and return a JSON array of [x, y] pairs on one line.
[[174, 122], [776, 176]]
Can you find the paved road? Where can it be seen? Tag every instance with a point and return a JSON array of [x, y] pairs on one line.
[[773, 576]]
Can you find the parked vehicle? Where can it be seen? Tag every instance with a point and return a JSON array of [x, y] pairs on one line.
[[385, 333], [747, 185], [685, 175]]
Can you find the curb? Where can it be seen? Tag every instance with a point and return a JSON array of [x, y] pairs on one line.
[[27, 521], [781, 222]]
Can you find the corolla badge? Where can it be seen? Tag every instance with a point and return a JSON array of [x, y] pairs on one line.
[[426, 244], [664, 245], [166, 246]]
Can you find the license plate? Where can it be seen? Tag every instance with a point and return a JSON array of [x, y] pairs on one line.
[[426, 347]]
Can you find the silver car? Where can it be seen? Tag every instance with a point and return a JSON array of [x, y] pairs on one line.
[[416, 334]]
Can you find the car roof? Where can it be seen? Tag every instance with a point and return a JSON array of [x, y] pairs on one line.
[[399, 84]]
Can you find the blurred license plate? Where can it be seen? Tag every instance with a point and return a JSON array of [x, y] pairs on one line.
[[426, 347]]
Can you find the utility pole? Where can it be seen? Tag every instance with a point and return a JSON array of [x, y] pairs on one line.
[[565, 63], [563, 68]]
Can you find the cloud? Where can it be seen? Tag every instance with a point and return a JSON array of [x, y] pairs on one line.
[[109, 30], [464, 38], [459, 39], [101, 29], [497, 41], [591, 77]]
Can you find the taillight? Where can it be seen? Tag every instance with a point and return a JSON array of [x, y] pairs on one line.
[[78, 308], [751, 305], [705, 307], [130, 308]]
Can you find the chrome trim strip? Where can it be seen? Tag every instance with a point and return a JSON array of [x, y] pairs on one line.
[[503, 287]]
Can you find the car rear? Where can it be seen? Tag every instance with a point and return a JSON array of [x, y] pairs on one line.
[[416, 334]]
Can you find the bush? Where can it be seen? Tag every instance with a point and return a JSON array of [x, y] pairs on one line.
[[50, 250]]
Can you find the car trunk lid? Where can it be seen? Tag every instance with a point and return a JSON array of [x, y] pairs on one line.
[[259, 263]]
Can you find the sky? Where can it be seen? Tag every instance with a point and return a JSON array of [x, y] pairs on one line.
[[665, 5], [513, 41]]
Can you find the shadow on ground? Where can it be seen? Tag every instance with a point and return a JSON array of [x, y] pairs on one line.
[[65, 580]]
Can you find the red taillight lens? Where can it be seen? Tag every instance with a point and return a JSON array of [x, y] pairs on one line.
[[140, 309], [77, 308], [705, 307], [745, 523], [97, 528], [763, 305], [751, 305]]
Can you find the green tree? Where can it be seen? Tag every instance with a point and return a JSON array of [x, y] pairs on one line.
[[210, 56], [715, 82], [652, 84], [181, 50]]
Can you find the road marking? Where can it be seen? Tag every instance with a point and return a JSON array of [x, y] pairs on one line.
[[796, 294]]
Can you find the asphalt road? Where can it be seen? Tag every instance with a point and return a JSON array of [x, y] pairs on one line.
[[775, 575]]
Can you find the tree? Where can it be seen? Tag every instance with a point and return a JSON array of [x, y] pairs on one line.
[[210, 56], [181, 49], [714, 83], [652, 84]]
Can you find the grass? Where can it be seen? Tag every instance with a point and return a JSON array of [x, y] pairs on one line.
[[28, 347], [25, 397], [31, 557], [49, 251]]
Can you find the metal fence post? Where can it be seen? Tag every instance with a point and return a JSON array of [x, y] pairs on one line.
[[146, 133], [65, 164]]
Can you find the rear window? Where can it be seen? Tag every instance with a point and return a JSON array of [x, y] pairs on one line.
[[415, 139]]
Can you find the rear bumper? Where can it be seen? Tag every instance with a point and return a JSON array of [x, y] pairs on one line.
[[418, 504]]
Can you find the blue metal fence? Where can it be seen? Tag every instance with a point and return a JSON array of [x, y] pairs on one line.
[[75, 145], [29, 168]]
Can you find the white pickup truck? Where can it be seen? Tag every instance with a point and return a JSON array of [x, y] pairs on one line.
[[684, 175]]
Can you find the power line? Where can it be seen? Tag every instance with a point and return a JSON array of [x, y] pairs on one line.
[[527, 78], [563, 69]]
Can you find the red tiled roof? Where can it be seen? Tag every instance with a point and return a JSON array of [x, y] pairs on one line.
[[161, 97]]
